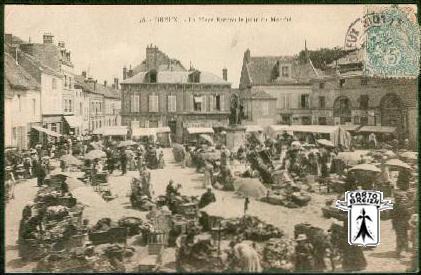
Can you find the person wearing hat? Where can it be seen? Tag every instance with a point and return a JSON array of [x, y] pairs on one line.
[[303, 254]]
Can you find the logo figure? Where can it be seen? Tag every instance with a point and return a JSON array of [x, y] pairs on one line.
[[364, 216]]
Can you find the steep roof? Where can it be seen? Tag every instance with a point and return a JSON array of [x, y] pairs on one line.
[[176, 77], [256, 93], [175, 66], [263, 70], [97, 88], [16, 76], [35, 63]]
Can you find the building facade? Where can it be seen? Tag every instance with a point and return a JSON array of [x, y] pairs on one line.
[[284, 78], [259, 107], [22, 104], [60, 117], [161, 92], [345, 96]]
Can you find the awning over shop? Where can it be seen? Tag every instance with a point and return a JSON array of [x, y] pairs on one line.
[[73, 122], [200, 130], [111, 131], [254, 128], [322, 129], [46, 131], [143, 132], [275, 129], [377, 129], [350, 128], [163, 130]]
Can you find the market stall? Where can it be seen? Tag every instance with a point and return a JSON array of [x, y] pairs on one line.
[[145, 135], [193, 133]]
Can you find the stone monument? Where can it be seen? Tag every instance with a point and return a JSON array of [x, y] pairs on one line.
[[235, 133]]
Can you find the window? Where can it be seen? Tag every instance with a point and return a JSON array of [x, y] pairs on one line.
[[194, 77], [218, 103], [321, 85], [197, 103], [70, 82], [322, 121], [19, 103], [54, 84], [153, 103], [304, 102], [53, 127], [364, 120], [65, 81], [81, 109], [341, 83], [65, 105], [285, 71], [322, 102], [364, 102], [70, 108], [364, 82], [153, 76], [134, 104], [265, 108], [14, 135], [34, 106], [172, 100]]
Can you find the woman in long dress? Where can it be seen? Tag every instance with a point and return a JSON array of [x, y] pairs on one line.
[[248, 257]]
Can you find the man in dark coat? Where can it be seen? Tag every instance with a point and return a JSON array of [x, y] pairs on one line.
[[123, 160], [207, 198], [41, 173], [402, 212]]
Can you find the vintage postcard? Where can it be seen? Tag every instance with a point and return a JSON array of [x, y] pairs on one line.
[[211, 138]]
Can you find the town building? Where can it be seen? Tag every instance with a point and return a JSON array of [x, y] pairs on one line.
[[101, 103], [259, 107], [284, 78], [344, 95], [162, 92], [21, 104], [57, 58]]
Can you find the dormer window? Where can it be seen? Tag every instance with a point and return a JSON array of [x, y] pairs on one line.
[[153, 76]]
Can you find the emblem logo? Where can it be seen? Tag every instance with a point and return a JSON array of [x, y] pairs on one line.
[[364, 216]]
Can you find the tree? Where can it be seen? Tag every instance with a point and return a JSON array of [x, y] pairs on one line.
[[322, 57]]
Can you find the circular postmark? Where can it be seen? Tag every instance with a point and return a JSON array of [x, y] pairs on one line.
[[390, 41]]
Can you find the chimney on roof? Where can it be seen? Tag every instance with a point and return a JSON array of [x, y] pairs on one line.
[[8, 38], [116, 83], [47, 38], [124, 72], [105, 83], [225, 74], [61, 44]]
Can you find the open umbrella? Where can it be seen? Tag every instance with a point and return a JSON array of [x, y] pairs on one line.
[[398, 163], [409, 155], [365, 167], [95, 154], [325, 142], [252, 188], [207, 138], [70, 160], [127, 143]]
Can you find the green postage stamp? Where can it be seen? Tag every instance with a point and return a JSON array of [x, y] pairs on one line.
[[389, 40]]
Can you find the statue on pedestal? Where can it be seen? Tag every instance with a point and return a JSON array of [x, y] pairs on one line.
[[237, 111]]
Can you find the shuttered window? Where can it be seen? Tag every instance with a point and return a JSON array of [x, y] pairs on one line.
[[153, 103], [172, 103], [222, 102]]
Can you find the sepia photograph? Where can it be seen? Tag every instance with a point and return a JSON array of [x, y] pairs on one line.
[[211, 138]]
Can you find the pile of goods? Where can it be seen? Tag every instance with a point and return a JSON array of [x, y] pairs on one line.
[[251, 228], [107, 231], [87, 259], [278, 255], [288, 193], [178, 152], [52, 222]]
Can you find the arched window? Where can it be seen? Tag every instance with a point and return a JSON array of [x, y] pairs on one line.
[[342, 109]]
